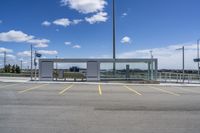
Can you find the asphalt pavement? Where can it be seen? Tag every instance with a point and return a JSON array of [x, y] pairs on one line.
[[98, 108]]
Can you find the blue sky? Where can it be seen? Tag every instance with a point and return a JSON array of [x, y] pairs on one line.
[[83, 29]]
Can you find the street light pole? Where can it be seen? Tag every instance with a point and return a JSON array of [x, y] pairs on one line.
[[114, 38]]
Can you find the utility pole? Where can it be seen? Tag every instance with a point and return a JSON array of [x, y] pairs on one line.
[[31, 62], [114, 38]]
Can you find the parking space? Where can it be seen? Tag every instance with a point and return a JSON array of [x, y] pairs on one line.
[[97, 89], [89, 108]]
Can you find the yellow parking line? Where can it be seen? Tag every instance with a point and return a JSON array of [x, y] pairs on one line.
[[8, 85], [165, 91], [64, 90], [133, 90], [100, 90], [32, 88]]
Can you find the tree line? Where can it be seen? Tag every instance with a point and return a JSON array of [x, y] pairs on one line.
[[12, 69]]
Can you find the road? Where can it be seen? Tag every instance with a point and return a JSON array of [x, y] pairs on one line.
[[96, 108]]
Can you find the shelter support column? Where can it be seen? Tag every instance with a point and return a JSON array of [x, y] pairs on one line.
[[149, 71], [46, 70], [93, 71], [156, 69]]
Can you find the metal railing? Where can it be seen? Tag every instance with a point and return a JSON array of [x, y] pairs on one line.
[[178, 77], [14, 75]]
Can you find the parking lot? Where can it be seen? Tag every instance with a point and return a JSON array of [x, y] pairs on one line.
[[98, 108]]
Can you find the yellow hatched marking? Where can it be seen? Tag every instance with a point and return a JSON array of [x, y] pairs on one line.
[[64, 90], [32, 88], [131, 89]]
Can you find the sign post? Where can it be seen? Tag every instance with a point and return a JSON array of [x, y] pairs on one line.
[[37, 55]]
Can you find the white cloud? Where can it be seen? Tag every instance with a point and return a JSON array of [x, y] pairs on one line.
[[48, 52], [168, 57], [99, 17], [24, 54], [72, 45], [8, 56], [76, 46], [39, 43], [67, 43], [14, 36], [126, 40], [43, 52], [62, 22], [76, 21], [5, 50], [66, 22], [85, 6], [46, 23], [19, 36], [124, 14]]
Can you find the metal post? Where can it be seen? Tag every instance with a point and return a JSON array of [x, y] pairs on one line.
[[198, 56], [114, 38], [31, 62], [57, 75], [35, 65], [149, 72], [156, 69], [151, 52], [56, 63], [183, 63]]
